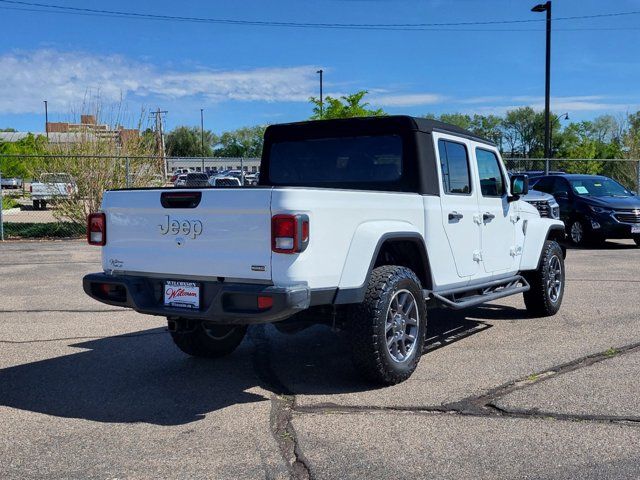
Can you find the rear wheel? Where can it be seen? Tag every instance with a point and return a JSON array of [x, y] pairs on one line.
[[387, 330], [209, 340], [547, 282]]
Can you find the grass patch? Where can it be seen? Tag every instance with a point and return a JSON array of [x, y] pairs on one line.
[[44, 230], [8, 202]]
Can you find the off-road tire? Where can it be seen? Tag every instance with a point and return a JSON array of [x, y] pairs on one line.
[[637, 240], [538, 300], [366, 326], [209, 341]]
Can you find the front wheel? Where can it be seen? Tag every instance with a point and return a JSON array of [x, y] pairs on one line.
[[209, 340], [387, 329], [577, 233], [547, 282], [637, 240]]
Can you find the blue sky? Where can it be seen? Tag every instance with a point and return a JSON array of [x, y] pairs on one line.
[[247, 75]]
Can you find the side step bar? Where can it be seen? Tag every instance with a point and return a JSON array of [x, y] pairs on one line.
[[459, 298]]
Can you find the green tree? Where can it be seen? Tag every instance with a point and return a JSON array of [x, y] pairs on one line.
[[21, 167], [458, 119], [488, 126], [186, 142], [244, 142], [346, 106]]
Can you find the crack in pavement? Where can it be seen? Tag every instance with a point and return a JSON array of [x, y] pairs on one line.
[[282, 406], [484, 405]]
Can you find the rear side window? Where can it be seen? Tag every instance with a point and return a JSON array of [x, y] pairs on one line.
[[454, 164], [333, 161], [490, 173]]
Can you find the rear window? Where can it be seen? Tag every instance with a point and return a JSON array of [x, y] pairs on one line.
[[333, 161]]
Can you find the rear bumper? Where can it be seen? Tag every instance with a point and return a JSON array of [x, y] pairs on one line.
[[220, 302]]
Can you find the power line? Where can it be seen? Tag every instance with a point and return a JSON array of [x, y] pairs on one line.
[[44, 7]]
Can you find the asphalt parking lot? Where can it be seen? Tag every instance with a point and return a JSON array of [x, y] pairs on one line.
[[92, 391]]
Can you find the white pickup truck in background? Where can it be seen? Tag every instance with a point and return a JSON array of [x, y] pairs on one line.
[[51, 187], [357, 223]]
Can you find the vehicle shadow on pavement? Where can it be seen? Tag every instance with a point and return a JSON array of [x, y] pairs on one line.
[[142, 377], [608, 245]]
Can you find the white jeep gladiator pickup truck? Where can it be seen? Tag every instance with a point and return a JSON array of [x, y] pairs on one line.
[[358, 223]]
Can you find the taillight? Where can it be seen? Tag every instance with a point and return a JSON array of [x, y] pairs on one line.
[[97, 229], [289, 233]]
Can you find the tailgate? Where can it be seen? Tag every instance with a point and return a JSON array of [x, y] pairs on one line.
[[226, 233]]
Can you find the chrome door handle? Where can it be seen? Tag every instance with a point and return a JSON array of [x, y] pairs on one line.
[[455, 216], [487, 217]]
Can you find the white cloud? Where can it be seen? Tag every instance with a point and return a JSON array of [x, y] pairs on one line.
[[67, 79], [64, 78]]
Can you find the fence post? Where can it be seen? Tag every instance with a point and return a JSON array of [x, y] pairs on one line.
[[126, 169], [1, 221]]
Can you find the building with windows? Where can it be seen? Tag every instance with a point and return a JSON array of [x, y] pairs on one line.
[[217, 164]]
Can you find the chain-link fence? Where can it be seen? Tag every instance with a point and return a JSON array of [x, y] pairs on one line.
[[46, 196]]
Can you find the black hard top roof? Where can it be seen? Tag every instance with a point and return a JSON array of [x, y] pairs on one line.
[[363, 125]]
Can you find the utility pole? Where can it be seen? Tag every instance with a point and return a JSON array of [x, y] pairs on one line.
[[46, 119], [321, 100], [202, 136], [546, 7]]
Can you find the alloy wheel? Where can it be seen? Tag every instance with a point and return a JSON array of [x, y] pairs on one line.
[[401, 327]]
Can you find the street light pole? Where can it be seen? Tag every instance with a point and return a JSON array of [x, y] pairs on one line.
[[557, 119], [46, 119], [321, 101], [546, 7], [202, 136]]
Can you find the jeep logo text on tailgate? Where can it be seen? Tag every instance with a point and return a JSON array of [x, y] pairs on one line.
[[190, 228]]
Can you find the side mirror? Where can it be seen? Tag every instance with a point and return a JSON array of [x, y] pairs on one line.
[[561, 195], [519, 186]]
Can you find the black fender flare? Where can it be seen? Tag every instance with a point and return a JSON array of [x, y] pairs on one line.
[[356, 294]]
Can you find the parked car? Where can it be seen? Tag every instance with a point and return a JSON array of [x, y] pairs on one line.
[[181, 180], [52, 187], [224, 181], [196, 179], [594, 207], [546, 204], [364, 223], [177, 172], [11, 182], [251, 179], [535, 174]]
